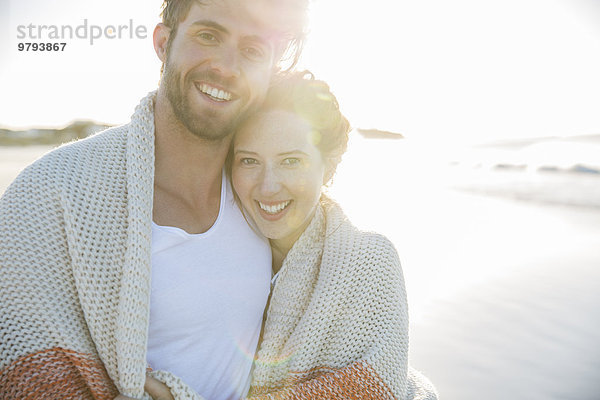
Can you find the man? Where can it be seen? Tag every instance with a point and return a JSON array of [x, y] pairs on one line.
[[86, 229]]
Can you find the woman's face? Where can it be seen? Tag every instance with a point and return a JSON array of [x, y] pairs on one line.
[[278, 173]]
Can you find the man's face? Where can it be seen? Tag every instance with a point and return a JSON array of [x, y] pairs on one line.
[[219, 65]]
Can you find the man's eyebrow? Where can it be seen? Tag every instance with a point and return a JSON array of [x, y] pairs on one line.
[[210, 24], [218, 27]]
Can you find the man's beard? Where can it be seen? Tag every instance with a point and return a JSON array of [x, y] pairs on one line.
[[206, 125]]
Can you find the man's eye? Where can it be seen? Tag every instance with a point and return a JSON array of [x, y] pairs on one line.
[[254, 53], [207, 37], [248, 161], [291, 161]]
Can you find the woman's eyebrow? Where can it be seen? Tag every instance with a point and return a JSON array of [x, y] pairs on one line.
[[245, 152], [287, 153]]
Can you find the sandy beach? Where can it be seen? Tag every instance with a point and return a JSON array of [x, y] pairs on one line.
[[523, 323], [504, 295], [504, 298]]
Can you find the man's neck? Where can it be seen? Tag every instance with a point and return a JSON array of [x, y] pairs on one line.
[[188, 172]]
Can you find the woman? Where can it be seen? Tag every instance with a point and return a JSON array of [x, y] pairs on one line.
[[337, 323]]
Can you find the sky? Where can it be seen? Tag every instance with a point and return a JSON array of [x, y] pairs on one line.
[[434, 70]]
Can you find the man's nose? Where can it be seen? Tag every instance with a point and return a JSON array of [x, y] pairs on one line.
[[226, 62], [270, 181]]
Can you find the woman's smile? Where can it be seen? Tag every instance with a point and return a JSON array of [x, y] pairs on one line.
[[273, 211]]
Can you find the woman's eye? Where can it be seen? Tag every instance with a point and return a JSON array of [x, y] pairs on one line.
[[291, 161], [248, 161]]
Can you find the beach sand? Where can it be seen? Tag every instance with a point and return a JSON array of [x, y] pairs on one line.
[[528, 329], [504, 295]]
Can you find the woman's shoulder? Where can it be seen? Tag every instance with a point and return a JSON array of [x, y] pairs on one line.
[[363, 260], [353, 243]]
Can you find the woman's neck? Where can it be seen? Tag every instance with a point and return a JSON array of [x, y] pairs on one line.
[[281, 247], [278, 257]]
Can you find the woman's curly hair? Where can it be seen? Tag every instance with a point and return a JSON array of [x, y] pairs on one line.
[[311, 99]]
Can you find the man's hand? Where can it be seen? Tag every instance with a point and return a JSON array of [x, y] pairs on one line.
[[155, 388]]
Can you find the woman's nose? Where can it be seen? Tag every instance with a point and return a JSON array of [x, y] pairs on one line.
[[270, 181]]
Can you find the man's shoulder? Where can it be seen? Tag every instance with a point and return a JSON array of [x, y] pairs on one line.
[[111, 140], [75, 161]]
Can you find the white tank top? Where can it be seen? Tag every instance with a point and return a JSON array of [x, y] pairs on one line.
[[209, 292]]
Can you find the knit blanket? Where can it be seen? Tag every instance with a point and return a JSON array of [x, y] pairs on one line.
[[75, 234], [75, 260], [337, 324]]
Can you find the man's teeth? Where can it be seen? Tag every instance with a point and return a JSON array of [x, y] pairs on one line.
[[214, 92], [274, 209]]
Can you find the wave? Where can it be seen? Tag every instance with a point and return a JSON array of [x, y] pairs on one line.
[[579, 188], [563, 171]]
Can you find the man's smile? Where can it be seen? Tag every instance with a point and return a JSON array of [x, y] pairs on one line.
[[213, 92]]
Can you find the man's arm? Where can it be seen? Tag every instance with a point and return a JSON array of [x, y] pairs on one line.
[[45, 347], [155, 388]]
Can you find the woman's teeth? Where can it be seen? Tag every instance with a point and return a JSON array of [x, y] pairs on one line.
[[214, 92], [274, 209]]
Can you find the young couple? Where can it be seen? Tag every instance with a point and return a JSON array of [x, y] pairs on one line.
[[159, 243]]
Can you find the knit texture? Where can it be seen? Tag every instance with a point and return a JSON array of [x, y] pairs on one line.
[[75, 235], [337, 324], [75, 260]]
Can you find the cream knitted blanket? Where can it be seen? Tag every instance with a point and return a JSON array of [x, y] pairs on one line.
[[337, 324], [75, 235], [75, 267]]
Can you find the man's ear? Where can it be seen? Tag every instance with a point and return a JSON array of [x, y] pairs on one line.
[[160, 38]]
